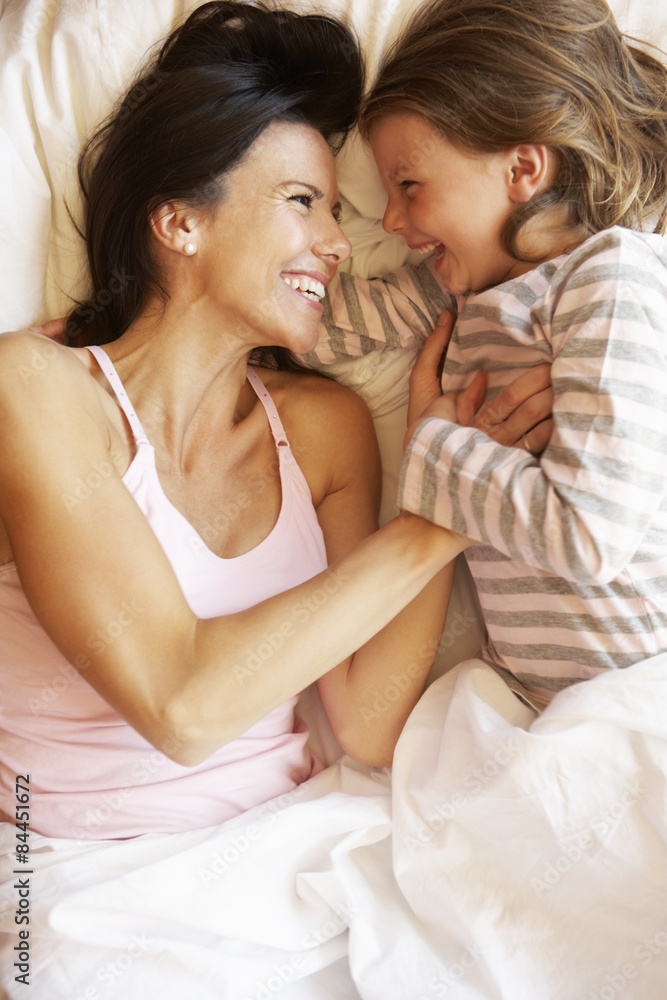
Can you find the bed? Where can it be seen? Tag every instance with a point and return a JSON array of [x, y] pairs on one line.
[[504, 857]]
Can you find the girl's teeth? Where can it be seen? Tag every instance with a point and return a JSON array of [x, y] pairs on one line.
[[307, 286], [427, 248]]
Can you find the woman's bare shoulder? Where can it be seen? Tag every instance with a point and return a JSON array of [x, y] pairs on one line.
[[329, 428], [314, 397], [50, 402], [35, 368], [51, 419]]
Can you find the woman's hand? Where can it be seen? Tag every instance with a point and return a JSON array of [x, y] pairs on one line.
[[519, 416]]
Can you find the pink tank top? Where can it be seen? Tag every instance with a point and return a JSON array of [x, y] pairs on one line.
[[92, 776]]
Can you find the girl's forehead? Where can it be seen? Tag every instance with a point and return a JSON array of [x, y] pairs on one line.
[[403, 142], [405, 127], [400, 123]]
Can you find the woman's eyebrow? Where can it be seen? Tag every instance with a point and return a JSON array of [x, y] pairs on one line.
[[316, 193]]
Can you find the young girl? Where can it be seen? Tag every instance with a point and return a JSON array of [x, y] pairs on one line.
[[526, 144]]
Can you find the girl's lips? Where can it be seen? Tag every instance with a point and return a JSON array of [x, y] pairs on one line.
[[440, 263], [423, 248]]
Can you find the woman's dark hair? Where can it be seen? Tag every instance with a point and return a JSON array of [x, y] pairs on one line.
[[217, 82], [489, 75]]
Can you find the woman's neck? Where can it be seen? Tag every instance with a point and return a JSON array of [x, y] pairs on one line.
[[186, 373]]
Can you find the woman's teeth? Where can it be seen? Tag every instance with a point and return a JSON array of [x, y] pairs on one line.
[[310, 287], [427, 248]]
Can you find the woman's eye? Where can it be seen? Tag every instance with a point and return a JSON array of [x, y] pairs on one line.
[[304, 199], [404, 185]]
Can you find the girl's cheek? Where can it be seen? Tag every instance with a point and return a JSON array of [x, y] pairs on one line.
[[421, 219]]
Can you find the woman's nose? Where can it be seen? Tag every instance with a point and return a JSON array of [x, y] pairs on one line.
[[334, 245]]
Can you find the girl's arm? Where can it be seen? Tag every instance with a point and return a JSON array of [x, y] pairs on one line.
[[362, 315], [403, 310], [369, 696], [587, 506], [187, 685], [522, 408]]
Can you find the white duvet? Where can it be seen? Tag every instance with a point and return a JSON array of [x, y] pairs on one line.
[[509, 858], [505, 857]]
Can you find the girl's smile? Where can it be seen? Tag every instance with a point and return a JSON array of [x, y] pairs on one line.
[[444, 198]]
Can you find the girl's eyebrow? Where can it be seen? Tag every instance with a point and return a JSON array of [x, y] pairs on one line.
[[316, 193], [398, 175]]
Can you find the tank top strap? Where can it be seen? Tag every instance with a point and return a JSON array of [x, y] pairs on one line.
[[105, 363], [265, 399], [112, 377]]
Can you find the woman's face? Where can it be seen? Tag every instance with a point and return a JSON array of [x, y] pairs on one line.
[[274, 242], [445, 199]]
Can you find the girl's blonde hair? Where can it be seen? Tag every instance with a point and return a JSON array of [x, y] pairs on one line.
[[493, 74]]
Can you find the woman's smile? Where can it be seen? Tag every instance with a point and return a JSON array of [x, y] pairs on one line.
[[307, 286]]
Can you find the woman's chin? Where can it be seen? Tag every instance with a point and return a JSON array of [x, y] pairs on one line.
[[308, 343], [301, 342]]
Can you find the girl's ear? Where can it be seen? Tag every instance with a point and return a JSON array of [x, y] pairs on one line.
[[530, 170], [173, 225]]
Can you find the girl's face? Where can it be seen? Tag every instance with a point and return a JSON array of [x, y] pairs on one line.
[[446, 199]]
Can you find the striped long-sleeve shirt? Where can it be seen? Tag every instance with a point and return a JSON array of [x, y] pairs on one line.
[[571, 565]]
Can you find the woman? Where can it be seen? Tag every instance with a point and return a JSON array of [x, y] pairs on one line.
[[174, 548], [201, 252]]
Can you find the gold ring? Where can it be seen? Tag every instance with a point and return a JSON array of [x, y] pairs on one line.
[[526, 445]]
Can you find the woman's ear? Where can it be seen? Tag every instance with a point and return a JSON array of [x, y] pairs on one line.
[[530, 171], [173, 225]]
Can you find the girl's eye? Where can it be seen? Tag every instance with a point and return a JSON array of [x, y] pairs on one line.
[[304, 199], [404, 185]]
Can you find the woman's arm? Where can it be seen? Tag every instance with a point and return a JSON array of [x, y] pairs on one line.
[[188, 686]]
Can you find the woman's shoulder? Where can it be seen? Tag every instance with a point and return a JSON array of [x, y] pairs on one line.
[[50, 413], [328, 426], [26, 355], [41, 376], [312, 396]]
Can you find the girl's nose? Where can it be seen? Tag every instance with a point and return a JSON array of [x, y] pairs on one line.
[[393, 220]]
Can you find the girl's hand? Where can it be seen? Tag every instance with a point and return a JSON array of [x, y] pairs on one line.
[[425, 389], [520, 416], [55, 329]]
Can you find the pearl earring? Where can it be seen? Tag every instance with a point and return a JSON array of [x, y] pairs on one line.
[[189, 249]]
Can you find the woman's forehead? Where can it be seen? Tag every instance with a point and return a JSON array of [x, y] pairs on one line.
[[290, 149]]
